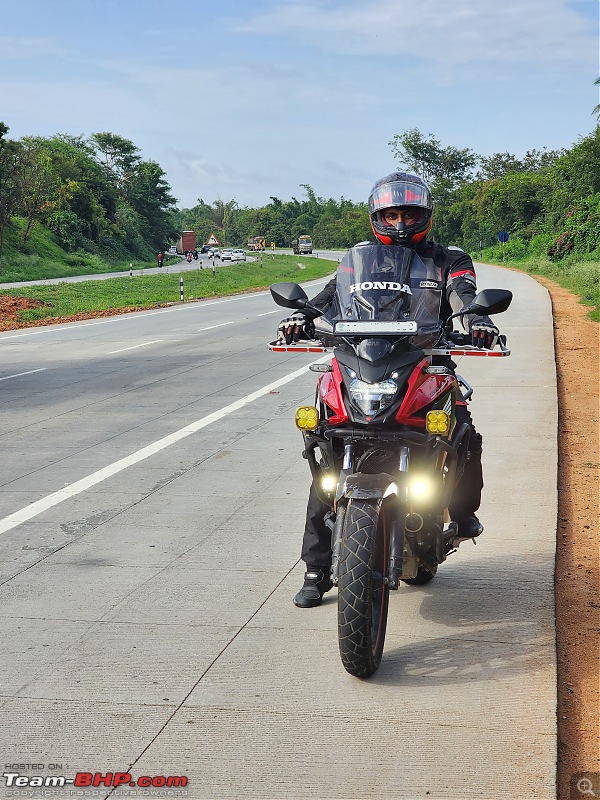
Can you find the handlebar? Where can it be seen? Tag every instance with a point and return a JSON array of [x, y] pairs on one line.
[[464, 348]]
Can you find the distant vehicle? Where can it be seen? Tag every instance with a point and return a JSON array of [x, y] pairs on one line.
[[256, 243], [186, 243], [239, 255], [214, 252], [303, 244], [205, 249], [172, 251], [227, 254]]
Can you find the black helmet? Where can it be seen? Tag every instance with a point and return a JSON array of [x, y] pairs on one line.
[[400, 189]]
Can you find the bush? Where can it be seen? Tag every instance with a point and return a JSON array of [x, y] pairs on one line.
[[581, 229]]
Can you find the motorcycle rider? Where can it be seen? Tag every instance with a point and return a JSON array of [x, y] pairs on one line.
[[400, 210], [159, 259]]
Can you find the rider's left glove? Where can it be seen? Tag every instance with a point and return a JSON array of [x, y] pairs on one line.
[[295, 328], [484, 333]]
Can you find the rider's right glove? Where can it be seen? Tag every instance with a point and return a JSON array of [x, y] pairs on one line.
[[295, 328]]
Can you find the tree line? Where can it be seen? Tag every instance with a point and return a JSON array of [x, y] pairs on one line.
[[98, 195], [548, 202], [331, 223], [95, 194]]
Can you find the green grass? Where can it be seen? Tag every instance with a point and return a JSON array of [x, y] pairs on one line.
[[580, 275], [147, 291], [42, 257]]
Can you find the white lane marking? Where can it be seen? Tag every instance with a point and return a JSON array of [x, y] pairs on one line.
[[134, 347], [74, 327], [210, 327], [30, 511], [29, 372], [269, 312]]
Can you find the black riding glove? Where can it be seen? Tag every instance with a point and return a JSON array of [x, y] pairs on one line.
[[484, 333], [295, 328]]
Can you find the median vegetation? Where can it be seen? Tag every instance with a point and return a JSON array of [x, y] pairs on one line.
[[59, 300]]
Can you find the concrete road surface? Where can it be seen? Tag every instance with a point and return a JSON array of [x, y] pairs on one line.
[[152, 495]]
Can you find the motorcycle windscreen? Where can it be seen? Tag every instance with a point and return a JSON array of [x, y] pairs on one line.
[[386, 284]]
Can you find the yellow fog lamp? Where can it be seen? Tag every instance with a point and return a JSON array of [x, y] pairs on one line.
[[438, 422], [307, 418]]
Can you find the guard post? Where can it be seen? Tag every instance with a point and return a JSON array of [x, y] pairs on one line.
[[181, 288]]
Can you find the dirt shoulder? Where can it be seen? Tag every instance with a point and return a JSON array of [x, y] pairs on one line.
[[577, 343]]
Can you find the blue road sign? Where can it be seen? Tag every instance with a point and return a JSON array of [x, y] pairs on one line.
[[503, 236]]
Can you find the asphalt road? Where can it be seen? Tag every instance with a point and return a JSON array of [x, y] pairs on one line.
[[152, 497]]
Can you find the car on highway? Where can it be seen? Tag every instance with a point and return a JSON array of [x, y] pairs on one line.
[[227, 254], [239, 255]]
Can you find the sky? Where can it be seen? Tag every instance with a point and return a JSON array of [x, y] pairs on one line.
[[249, 100]]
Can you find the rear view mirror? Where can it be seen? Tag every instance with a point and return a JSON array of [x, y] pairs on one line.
[[290, 295], [490, 301]]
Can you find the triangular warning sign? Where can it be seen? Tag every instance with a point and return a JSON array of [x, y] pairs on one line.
[[212, 239]]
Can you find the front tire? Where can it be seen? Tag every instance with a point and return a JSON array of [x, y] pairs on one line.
[[363, 592], [424, 575]]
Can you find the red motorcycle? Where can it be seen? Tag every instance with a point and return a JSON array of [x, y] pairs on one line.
[[382, 440]]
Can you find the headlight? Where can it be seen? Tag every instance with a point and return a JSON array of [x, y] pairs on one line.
[[328, 482], [420, 488], [372, 397]]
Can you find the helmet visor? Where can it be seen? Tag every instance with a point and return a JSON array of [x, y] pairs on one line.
[[399, 193]]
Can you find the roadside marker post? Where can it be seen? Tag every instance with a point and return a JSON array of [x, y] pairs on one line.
[[503, 237], [181, 288], [131, 270]]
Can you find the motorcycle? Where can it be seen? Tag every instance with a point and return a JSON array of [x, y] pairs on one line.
[[189, 258], [390, 450]]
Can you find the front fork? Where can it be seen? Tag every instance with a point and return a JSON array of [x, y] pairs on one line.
[[340, 512], [397, 526]]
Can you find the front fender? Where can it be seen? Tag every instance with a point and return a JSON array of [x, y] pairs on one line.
[[363, 486]]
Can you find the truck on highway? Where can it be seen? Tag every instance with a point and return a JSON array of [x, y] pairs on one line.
[[187, 243], [303, 244], [256, 243]]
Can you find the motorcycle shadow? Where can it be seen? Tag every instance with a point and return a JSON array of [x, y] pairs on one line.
[[480, 620]]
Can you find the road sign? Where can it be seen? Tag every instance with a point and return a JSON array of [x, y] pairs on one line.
[[272, 245], [503, 237], [212, 239], [262, 243]]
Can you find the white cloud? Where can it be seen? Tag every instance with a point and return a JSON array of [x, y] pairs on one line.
[[436, 32], [13, 47]]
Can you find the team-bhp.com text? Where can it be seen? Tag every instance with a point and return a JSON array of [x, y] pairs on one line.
[[93, 779]]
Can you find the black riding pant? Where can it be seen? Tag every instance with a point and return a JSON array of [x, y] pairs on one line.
[[316, 544]]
